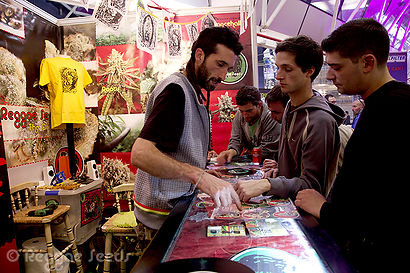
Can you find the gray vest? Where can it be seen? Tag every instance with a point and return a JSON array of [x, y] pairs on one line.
[[162, 194]]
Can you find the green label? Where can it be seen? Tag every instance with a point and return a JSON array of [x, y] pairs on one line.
[[238, 72]]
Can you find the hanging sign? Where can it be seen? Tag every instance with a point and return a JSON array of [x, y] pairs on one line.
[[192, 30], [147, 31], [397, 65], [208, 21], [110, 13], [174, 39], [24, 128]]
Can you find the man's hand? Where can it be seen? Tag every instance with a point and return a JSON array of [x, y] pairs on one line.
[[220, 191], [272, 173], [148, 158], [269, 164], [247, 189], [214, 173], [225, 156], [310, 201]]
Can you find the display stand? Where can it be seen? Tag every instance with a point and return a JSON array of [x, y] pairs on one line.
[[71, 149], [85, 212]]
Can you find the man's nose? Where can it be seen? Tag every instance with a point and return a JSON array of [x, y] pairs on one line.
[[330, 75], [279, 75], [223, 73]]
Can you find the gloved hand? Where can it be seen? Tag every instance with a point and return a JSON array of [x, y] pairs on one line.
[[220, 191]]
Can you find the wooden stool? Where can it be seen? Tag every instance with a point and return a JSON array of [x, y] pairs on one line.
[[20, 216]]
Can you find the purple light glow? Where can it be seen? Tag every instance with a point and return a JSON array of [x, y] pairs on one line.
[[400, 15], [382, 10], [397, 9], [404, 36]]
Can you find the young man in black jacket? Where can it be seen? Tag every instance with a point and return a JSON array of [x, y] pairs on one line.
[[367, 205]]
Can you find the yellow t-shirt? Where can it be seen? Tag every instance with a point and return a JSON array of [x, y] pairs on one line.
[[66, 80]]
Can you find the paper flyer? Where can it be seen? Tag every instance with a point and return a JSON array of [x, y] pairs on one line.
[[266, 227], [223, 231]]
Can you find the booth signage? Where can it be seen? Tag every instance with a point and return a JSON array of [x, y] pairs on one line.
[[238, 72], [91, 208], [397, 65]]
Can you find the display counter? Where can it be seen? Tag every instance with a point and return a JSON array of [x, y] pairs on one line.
[[276, 238]]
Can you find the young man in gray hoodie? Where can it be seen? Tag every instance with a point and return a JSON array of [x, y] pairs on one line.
[[309, 141]]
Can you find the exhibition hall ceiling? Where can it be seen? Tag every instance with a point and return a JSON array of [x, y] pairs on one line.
[[290, 17]]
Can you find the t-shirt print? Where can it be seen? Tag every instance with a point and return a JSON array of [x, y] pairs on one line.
[[69, 78]]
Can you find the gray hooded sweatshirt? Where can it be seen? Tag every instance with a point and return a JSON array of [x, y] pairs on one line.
[[267, 135], [308, 149]]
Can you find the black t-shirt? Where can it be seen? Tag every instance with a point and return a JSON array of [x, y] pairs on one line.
[[165, 124]]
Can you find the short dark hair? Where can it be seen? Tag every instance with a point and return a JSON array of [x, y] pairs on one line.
[[327, 96], [210, 37], [276, 94], [207, 40], [248, 94], [358, 37], [307, 53]]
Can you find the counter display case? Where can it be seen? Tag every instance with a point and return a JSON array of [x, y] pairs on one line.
[[268, 235]]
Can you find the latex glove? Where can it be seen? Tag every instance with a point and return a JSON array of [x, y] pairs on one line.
[[219, 190], [211, 154]]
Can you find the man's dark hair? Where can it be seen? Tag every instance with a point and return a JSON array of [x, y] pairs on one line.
[[327, 96], [207, 40], [358, 37], [276, 94], [210, 37], [307, 53], [248, 94]]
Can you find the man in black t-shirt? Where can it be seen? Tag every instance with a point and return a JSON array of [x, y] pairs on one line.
[[170, 152], [364, 210]]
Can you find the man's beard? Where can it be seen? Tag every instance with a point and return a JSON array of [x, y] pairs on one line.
[[209, 84]]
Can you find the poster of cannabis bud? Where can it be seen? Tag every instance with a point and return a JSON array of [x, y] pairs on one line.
[[119, 65]]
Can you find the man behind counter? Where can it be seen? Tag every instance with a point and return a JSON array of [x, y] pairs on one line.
[[252, 127], [171, 150]]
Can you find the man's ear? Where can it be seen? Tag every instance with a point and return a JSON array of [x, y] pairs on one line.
[[368, 62], [199, 56], [310, 71]]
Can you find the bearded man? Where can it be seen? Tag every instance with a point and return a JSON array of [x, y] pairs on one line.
[[171, 150]]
